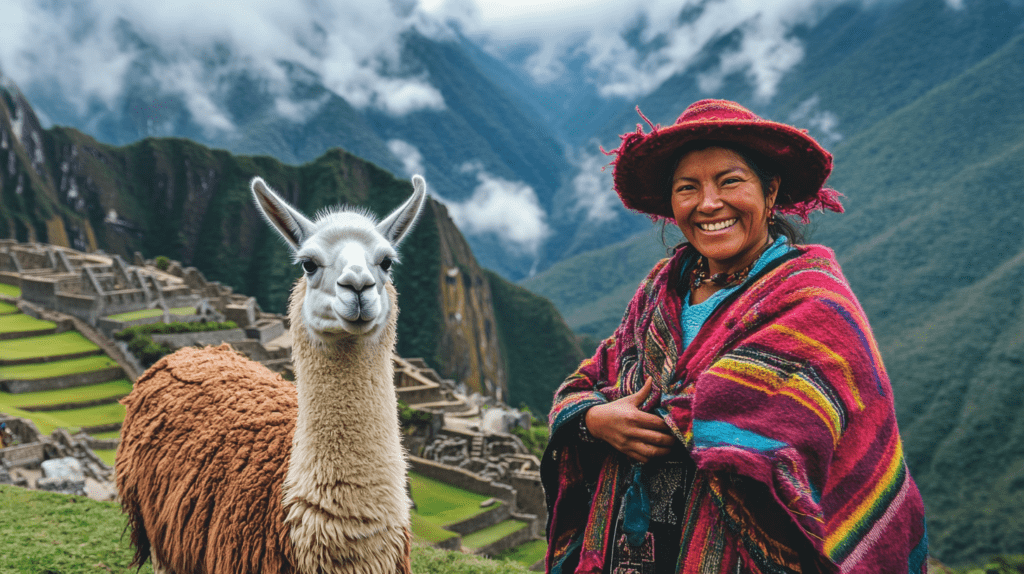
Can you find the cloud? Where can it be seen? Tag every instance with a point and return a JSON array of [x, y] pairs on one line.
[[593, 189], [85, 50], [411, 158], [508, 209], [632, 48], [824, 123]]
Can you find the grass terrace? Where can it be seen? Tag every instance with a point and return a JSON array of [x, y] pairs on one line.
[[438, 505], [75, 535], [56, 368], [101, 391], [46, 346], [146, 313], [19, 322], [491, 534], [7, 308], [10, 290], [528, 553]]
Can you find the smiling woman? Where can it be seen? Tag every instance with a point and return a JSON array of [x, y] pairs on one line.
[[740, 418]]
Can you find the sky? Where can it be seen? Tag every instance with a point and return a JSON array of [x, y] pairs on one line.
[[84, 50]]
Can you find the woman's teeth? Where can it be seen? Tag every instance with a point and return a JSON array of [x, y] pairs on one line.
[[717, 226]]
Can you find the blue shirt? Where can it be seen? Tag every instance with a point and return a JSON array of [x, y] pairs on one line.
[[694, 316]]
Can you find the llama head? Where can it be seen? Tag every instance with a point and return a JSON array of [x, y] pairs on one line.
[[346, 257]]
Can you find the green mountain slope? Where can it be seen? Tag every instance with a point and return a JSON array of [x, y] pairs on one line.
[[177, 198], [932, 244]]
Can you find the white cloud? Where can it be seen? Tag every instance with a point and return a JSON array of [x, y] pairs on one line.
[[659, 44], [411, 158], [593, 189], [508, 209], [84, 49], [824, 122]]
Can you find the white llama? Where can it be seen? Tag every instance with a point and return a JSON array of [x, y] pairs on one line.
[[222, 468]]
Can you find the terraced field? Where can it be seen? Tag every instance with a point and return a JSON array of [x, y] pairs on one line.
[[146, 313], [30, 357], [440, 505]]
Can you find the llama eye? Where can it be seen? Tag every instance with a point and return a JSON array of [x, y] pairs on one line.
[[309, 267], [385, 263]]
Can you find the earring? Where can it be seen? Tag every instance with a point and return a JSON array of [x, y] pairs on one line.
[[771, 217]]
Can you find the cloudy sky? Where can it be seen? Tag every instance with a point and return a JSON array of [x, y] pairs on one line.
[[83, 51], [86, 47]]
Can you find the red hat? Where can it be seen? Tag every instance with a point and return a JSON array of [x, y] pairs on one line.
[[646, 161]]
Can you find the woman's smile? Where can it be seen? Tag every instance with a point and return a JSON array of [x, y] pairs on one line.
[[718, 225]]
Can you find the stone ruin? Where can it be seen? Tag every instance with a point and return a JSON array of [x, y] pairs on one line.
[[469, 434], [60, 462]]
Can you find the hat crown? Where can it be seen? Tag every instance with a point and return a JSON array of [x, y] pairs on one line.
[[715, 110]]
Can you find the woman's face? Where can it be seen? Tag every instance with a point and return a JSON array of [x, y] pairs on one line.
[[721, 208]]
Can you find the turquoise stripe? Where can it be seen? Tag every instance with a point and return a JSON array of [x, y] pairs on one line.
[[919, 554], [717, 433]]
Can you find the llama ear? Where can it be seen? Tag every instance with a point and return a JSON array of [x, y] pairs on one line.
[[396, 226], [291, 224]]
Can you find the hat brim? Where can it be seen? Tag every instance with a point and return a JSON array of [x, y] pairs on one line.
[[646, 161]]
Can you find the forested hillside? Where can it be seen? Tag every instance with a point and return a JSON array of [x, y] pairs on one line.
[[177, 198]]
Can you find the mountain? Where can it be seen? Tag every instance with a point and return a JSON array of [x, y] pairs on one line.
[[931, 242], [173, 197]]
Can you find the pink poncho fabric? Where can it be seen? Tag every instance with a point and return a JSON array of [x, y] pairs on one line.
[[782, 402]]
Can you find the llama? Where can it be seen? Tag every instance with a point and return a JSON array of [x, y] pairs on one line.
[[226, 467]]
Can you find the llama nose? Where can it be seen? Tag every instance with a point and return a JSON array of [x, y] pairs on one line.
[[356, 278]]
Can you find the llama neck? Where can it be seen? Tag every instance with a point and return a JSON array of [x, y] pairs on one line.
[[347, 423]]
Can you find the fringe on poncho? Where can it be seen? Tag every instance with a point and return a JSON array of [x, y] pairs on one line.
[[783, 403]]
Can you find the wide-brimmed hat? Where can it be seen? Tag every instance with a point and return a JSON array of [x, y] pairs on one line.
[[646, 161]]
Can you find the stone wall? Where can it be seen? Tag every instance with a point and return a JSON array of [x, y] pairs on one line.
[[179, 340], [463, 479]]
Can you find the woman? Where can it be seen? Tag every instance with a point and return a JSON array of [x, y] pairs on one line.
[[740, 418]]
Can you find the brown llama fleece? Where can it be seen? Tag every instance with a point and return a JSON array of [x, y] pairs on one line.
[[202, 457]]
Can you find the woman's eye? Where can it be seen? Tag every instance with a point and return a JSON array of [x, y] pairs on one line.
[[309, 267], [685, 189], [385, 263], [731, 180]]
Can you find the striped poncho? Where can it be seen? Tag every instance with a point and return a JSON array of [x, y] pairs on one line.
[[782, 402]]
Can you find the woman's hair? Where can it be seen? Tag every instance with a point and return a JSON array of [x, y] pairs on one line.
[[763, 168]]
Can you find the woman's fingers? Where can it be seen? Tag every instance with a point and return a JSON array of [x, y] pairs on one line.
[[640, 396]]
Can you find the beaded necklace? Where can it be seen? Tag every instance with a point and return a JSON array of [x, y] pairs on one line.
[[699, 274]]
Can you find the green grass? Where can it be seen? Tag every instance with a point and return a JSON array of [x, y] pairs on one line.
[[106, 455], [443, 504], [72, 395], [426, 531], [145, 313], [527, 554], [14, 323], [109, 434], [46, 346], [10, 290], [482, 538], [56, 368], [7, 308], [72, 419], [68, 534], [76, 535], [90, 416], [433, 561]]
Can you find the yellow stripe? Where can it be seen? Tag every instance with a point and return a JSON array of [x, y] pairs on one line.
[[831, 420], [817, 345], [840, 533]]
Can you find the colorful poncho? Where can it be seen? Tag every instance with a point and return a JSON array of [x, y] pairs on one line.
[[783, 403]]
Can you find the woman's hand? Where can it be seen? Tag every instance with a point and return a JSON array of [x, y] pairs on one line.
[[640, 436]]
